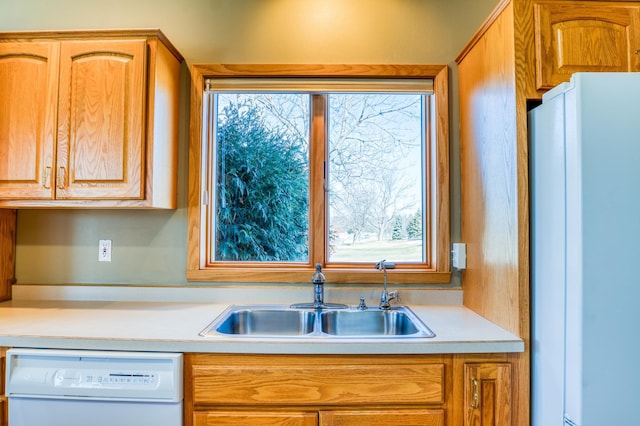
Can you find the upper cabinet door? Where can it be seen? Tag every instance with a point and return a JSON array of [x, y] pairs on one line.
[[572, 36], [101, 120], [28, 97]]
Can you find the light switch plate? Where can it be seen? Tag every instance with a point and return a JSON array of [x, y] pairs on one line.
[[459, 256]]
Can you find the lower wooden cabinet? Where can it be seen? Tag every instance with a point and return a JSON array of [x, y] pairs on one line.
[[346, 390], [487, 394], [280, 418], [4, 420], [321, 418], [382, 418]]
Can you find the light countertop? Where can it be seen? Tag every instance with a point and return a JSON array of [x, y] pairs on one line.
[[174, 327]]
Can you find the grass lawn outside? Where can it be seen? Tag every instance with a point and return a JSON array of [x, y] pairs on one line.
[[374, 251]]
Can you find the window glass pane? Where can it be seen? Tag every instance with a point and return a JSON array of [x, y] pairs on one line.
[[376, 176], [262, 177]]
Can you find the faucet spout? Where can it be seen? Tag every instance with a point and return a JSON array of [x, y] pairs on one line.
[[318, 280], [386, 295]]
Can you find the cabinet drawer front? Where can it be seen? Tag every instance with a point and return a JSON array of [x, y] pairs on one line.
[[318, 382], [382, 418], [281, 418]]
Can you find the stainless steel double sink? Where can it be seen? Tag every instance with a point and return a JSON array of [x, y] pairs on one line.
[[275, 321]]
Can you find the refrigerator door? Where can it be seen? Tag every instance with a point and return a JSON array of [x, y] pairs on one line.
[[547, 169], [568, 422], [603, 230], [585, 199]]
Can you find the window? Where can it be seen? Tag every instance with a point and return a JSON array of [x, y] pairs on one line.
[[298, 165]]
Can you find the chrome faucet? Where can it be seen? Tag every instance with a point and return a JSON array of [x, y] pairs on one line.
[[318, 279], [386, 296]]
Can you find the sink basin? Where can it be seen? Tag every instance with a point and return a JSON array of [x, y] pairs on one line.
[[372, 323], [264, 322], [285, 322]]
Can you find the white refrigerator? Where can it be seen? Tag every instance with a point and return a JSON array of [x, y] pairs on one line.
[[585, 252]]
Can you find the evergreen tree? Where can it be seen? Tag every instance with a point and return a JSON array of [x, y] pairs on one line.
[[262, 189], [396, 234], [414, 229]]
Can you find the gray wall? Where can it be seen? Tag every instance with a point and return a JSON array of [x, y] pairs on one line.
[[149, 247]]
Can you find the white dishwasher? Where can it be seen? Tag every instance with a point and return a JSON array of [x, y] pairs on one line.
[[97, 388]]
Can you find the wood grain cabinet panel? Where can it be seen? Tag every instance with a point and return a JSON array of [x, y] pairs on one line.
[[88, 119], [8, 250], [4, 420], [347, 390], [324, 390], [487, 394], [100, 149], [280, 418], [572, 36], [28, 96], [317, 380], [382, 418]]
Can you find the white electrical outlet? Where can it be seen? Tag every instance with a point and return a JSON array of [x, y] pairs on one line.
[[459, 256], [104, 251]]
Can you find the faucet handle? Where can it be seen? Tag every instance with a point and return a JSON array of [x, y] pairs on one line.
[[383, 265], [362, 306], [318, 277], [386, 297]]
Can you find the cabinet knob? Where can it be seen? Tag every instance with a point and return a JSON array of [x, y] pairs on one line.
[[637, 51]]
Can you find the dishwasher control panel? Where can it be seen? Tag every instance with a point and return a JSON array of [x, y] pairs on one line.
[[142, 376], [100, 378]]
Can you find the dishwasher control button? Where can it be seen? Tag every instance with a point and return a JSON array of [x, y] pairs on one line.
[[67, 378]]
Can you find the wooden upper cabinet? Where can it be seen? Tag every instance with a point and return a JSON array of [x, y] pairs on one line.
[[88, 119], [572, 36], [100, 150], [28, 96]]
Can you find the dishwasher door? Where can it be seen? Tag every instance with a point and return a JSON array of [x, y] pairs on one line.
[[96, 388], [73, 412]]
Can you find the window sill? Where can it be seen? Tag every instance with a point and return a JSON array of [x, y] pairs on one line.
[[334, 275]]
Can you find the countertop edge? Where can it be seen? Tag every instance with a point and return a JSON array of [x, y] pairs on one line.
[[276, 347]]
